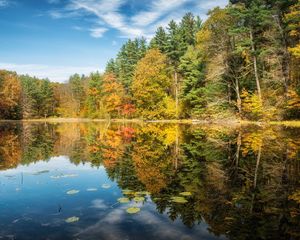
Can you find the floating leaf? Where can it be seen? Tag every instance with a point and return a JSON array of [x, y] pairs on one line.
[[64, 176], [178, 200], [55, 177], [72, 219], [71, 192], [186, 194], [133, 210], [127, 192], [69, 175], [139, 199], [145, 193], [138, 193], [105, 186], [92, 189], [123, 200]]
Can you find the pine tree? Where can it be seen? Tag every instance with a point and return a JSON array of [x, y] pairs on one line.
[[160, 40], [193, 77]]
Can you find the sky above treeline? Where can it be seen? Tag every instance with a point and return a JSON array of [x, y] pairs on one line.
[[56, 38]]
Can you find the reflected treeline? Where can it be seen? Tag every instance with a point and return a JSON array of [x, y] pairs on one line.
[[244, 182]]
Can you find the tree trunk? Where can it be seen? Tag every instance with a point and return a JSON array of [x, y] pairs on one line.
[[238, 143], [176, 91], [239, 100], [255, 66], [176, 149], [256, 167]]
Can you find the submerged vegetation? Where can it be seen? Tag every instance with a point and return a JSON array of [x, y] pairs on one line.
[[242, 62]]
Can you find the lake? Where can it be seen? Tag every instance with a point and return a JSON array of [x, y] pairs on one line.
[[148, 181]]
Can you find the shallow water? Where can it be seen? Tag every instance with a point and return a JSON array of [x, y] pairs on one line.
[[63, 181]]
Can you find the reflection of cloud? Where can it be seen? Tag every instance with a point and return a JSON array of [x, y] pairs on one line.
[[117, 224], [99, 204]]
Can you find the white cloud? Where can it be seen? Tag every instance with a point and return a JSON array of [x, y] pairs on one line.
[[97, 32], [114, 43], [157, 9], [54, 73], [5, 3], [143, 23], [208, 5], [53, 1]]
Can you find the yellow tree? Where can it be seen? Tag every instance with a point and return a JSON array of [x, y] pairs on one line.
[[151, 85], [10, 95], [113, 94]]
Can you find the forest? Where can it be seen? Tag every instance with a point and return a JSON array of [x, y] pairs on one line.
[[242, 62]]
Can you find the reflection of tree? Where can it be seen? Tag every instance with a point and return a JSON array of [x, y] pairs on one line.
[[10, 146], [152, 157], [244, 182], [37, 142]]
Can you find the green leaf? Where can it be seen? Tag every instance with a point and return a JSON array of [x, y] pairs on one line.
[[133, 210], [123, 200], [105, 186], [178, 200], [92, 189], [72, 219], [186, 194], [139, 199], [71, 192]]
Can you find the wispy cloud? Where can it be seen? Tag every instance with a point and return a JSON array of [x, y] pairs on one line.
[[208, 5], [157, 9], [5, 3], [53, 1], [97, 32], [54, 73], [110, 14]]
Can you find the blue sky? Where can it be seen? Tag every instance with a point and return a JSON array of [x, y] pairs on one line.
[[56, 38]]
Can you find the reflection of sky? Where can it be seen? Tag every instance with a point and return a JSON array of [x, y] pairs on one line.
[[54, 164], [147, 224], [34, 204]]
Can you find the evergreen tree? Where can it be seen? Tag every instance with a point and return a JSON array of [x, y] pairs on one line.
[[160, 40]]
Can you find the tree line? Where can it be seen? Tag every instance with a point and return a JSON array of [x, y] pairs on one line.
[[242, 62]]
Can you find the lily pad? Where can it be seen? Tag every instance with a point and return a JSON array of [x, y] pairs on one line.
[[105, 186], [186, 194], [145, 193], [72, 219], [92, 189], [71, 192], [123, 200], [64, 176], [127, 192], [139, 199], [178, 200], [133, 210]]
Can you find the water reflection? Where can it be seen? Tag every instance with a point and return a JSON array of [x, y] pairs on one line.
[[244, 182]]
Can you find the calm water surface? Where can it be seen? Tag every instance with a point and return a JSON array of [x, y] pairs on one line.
[[63, 181]]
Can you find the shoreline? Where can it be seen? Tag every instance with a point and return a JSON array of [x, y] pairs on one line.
[[180, 121]]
